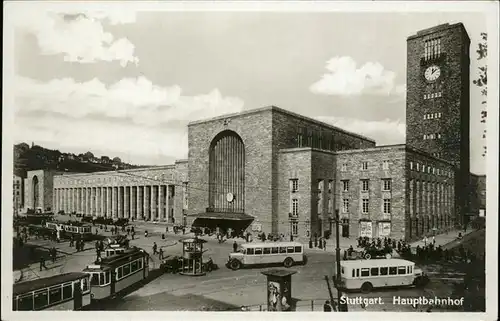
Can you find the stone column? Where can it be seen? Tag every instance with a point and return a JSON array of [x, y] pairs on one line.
[[126, 202], [113, 201], [161, 198], [109, 210], [89, 200], [167, 203], [146, 201], [73, 199], [133, 202], [82, 198], [139, 209], [120, 202]]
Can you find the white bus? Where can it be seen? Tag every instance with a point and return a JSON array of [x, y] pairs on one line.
[[369, 274], [286, 253]]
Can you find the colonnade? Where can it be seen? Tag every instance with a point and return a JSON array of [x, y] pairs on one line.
[[155, 202]]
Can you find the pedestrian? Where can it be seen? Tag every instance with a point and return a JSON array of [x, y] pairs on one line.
[[433, 240], [160, 253], [324, 244], [183, 230], [71, 241], [133, 235], [145, 233], [425, 241], [42, 262], [327, 307], [235, 247], [166, 229], [53, 254], [155, 247], [82, 245], [345, 255]]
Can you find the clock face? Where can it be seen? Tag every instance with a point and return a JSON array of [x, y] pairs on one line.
[[432, 73], [230, 197]]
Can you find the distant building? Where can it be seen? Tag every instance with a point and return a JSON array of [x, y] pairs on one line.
[[18, 193]]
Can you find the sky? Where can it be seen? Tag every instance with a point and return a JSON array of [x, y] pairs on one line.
[[123, 82]]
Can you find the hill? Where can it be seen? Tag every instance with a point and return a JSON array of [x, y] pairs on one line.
[[28, 158]]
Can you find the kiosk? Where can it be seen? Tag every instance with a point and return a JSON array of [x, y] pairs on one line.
[[279, 289], [192, 257]]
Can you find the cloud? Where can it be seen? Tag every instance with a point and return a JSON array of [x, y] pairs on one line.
[[345, 79], [384, 132], [78, 36], [131, 116]]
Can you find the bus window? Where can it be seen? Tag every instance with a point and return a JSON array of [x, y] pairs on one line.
[[101, 278], [25, 303], [119, 273], [94, 279], [393, 270], [383, 271], [274, 250], [258, 251], [365, 272], [357, 273], [133, 267], [55, 294], [289, 249], [41, 299], [374, 271], [402, 270], [126, 269], [250, 251], [140, 264], [298, 249], [107, 277], [411, 269], [67, 291], [282, 249], [267, 250], [353, 273]]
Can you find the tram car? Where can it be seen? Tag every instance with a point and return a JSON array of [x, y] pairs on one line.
[[68, 291], [114, 274], [83, 232], [114, 249]]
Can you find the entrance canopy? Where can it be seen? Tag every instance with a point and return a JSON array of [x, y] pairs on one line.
[[236, 221]]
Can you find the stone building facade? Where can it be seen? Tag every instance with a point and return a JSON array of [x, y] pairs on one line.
[[153, 193], [38, 190], [18, 193]]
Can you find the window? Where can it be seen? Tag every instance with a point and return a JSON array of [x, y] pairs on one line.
[[295, 185], [438, 135], [258, 251], [353, 273], [432, 48], [401, 269], [383, 271], [108, 274], [289, 249], [330, 186], [411, 165], [425, 137], [295, 228], [387, 206], [133, 266], [409, 270], [298, 249], [67, 291], [364, 166], [94, 279], [25, 303], [386, 184], [41, 299], [423, 168], [267, 250], [274, 250], [344, 168], [320, 185], [345, 185], [365, 272], [385, 164], [365, 185], [393, 270], [119, 273], [282, 250], [295, 207], [374, 271], [345, 205], [55, 294], [249, 251], [418, 167], [365, 206]]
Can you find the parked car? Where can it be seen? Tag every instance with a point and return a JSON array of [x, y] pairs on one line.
[[372, 252]]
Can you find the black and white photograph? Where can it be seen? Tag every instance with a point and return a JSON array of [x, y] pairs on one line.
[[246, 157]]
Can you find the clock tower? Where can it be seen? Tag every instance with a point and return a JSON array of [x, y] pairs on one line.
[[437, 103]]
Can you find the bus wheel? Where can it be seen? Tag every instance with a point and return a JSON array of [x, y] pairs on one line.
[[288, 262], [388, 256], [235, 264], [366, 287], [368, 256]]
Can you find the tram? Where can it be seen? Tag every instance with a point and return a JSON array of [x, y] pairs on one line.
[[118, 272], [69, 291], [78, 231]]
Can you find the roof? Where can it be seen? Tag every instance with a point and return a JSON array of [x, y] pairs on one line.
[[277, 272], [34, 285], [270, 244], [376, 263], [117, 258], [223, 216], [193, 240]]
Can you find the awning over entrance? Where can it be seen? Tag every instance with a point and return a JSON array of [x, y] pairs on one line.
[[235, 221]]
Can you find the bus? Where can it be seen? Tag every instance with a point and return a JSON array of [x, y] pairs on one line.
[[286, 253], [365, 275], [118, 272], [68, 291]]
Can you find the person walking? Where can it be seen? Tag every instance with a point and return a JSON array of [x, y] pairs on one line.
[[133, 234], [155, 247], [235, 247], [425, 241], [160, 253], [145, 233], [42, 262], [324, 244]]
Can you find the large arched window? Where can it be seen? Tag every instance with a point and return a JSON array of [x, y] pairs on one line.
[[36, 198], [227, 173]]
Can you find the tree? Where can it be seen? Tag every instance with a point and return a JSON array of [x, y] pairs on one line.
[[482, 80], [117, 160], [88, 155]]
